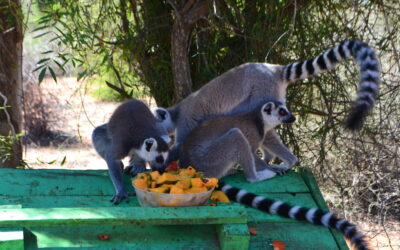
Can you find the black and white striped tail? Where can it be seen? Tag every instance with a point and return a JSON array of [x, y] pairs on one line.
[[313, 215], [369, 75]]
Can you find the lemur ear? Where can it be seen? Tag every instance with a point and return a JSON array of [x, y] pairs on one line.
[[267, 108], [161, 114], [166, 138], [149, 143]]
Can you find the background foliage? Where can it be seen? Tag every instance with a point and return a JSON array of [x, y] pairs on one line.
[[129, 43]]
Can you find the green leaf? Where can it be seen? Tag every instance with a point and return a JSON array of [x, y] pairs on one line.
[[40, 35], [47, 52], [42, 74], [39, 67], [59, 65], [53, 74], [4, 107], [64, 160], [52, 162], [39, 28], [81, 75], [43, 60]]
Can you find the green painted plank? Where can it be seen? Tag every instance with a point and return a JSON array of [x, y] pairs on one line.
[[54, 182], [288, 183], [37, 182], [233, 236], [11, 238], [309, 179], [103, 201], [64, 201], [30, 217], [295, 236], [300, 199], [124, 237]]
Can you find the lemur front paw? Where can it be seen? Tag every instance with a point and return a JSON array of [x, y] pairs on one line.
[[262, 175], [134, 169], [279, 169], [120, 196]]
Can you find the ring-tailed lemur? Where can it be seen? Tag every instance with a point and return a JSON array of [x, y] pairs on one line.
[[312, 215], [218, 144], [246, 86], [131, 131]]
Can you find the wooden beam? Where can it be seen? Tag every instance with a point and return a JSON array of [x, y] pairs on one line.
[[50, 217]]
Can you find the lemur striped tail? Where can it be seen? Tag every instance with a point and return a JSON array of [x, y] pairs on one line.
[[313, 215], [369, 75]]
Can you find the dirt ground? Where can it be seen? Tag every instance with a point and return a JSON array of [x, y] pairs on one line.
[[78, 113]]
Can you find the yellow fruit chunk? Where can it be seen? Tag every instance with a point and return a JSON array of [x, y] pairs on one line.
[[197, 182], [219, 196], [195, 190], [159, 190], [189, 171], [183, 184], [210, 182], [153, 184], [142, 175], [176, 190], [154, 175], [140, 183], [166, 177]]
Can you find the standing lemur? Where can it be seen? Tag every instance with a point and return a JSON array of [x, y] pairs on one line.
[[246, 86], [131, 131], [217, 144]]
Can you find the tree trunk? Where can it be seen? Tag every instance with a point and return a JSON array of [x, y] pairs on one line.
[[11, 76], [180, 61], [187, 13]]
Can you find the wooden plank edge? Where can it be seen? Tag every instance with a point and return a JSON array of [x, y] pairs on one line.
[[48, 217], [315, 192], [11, 238]]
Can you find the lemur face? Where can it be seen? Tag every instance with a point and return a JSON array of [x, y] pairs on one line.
[[275, 113], [155, 152], [163, 116]]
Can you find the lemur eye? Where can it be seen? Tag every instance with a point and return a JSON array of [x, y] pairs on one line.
[[159, 159], [282, 112]]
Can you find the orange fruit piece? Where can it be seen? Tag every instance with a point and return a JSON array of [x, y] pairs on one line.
[[176, 190], [210, 182], [219, 196], [197, 182], [140, 183]]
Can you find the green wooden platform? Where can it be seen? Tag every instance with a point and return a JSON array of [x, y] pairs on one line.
[[53, 209]]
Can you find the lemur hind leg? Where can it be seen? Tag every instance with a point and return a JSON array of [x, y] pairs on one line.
[[227, 150], [274, 146]]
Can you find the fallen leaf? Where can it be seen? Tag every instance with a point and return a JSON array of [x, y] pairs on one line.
[[252, 231], [103, 237], [278, 245]]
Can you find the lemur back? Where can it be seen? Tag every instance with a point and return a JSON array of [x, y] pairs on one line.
[[131, 123], [248, 85]]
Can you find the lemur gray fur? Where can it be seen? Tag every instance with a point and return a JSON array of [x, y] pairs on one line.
[[131, 131], [312, 215], [218, 144], [246, 86]]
